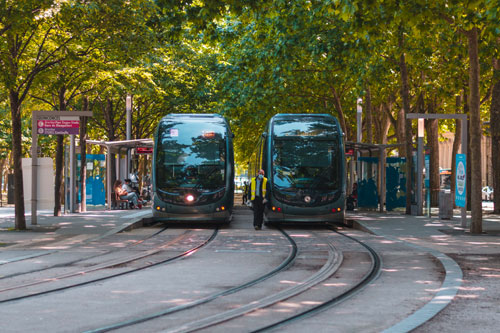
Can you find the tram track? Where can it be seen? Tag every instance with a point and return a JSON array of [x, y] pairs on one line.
[[68, 263], [327, 271], [369, 277], [110, 265], [283, 265]]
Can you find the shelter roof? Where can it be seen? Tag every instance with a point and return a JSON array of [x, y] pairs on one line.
[[116, 146]]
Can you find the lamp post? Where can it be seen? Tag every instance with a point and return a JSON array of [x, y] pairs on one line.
[[128, 108], [359, 123], [359, 119], [420, 165]]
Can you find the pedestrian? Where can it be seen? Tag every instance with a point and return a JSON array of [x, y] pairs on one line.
[[258, 192], [245, 192]]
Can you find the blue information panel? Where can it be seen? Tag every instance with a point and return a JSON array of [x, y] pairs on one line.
[[461, 177]]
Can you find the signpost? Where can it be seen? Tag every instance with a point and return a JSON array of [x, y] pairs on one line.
[[60, 125], [460, 181], [53, 123], [427, 183], [463, 119], [144, 150]]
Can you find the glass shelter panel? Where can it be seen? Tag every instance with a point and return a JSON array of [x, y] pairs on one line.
[[367, 183], [395, 183]]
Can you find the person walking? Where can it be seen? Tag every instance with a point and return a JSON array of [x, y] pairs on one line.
[[258, 196]]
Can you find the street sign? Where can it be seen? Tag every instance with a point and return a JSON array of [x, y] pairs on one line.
[[460, 183], [144, 150], [49, 125]]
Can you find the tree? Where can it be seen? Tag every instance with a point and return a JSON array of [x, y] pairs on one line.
[[37, 35], [495, 133], [25, 52]]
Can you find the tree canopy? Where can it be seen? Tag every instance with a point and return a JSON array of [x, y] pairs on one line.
[[246, 60]]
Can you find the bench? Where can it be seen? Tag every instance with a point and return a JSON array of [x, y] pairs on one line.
[[117, 202]]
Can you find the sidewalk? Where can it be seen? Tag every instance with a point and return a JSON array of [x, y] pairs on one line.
[[77, 227], [469, 293], [446, 236]]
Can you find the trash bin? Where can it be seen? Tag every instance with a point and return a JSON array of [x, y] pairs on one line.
[[445, 205]]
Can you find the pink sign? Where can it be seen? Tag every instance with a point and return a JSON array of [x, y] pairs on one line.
[[50, 127]]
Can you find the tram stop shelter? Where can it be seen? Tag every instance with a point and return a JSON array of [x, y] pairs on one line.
[[117, 148], [381, 180]]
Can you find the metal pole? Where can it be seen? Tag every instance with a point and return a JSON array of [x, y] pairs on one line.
[[66, 185], [359, 124], [420, 166], [108, 177], [72, 174], [128, 107], [463, 210], [382, 178], [34, 164]]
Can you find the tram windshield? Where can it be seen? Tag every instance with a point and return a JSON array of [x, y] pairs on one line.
[[191, 155], [309, 164]]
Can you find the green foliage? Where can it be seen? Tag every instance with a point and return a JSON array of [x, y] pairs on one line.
[[247, 60]]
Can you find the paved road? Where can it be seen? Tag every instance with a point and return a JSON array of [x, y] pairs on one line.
[[411, 278]]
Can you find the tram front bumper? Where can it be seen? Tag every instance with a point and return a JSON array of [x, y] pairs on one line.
[[305, 216], [193, 216]]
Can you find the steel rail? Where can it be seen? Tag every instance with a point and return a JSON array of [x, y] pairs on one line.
[[77, 260], [372, 275], [284, 265], [97, 267], [184, 254], [334, 261]]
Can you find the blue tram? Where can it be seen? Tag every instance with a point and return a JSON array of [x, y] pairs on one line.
[[193, 169], [303, 157]]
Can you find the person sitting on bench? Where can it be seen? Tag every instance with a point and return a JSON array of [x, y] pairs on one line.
[[124, 195]]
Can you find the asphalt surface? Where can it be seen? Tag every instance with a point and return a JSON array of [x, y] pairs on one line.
[[466, 300]]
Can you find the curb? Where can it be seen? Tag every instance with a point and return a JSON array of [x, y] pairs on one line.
[[447, 291]]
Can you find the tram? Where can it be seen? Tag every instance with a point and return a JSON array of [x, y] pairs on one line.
[[303, 157], [193, 169]]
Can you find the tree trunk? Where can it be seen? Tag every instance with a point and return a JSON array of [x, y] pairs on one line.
[[15, 110], [456, 144], [408, 137], [340, 112], [433, 142], [495, 137], [58, 188], [83, 157], [475, 132], [108, 116], [2, 163], [368, 115], [58, 180]]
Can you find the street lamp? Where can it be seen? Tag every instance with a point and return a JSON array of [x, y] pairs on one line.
[[420, 165], [128, 108]]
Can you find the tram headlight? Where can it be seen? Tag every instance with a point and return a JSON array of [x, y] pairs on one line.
[[189, 198]]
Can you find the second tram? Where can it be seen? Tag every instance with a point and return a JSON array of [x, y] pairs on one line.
[[303, 157], [193, 169]]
